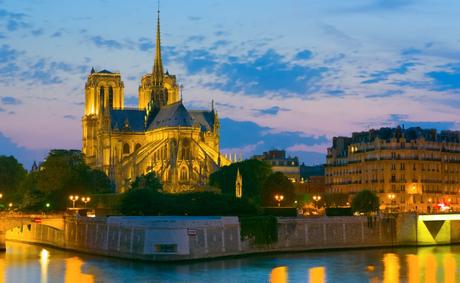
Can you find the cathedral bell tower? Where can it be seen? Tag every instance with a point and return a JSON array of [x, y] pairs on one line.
[[158, 88]]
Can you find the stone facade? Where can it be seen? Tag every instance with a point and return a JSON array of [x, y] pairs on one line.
[[160, 135], [410, 169]]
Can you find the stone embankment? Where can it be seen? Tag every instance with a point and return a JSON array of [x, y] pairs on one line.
[[185, 238]]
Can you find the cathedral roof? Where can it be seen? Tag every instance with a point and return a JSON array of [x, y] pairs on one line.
[[127, 120], [204, 118], [105, 72], [172, 115]]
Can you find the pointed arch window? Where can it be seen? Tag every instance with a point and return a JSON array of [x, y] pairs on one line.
[[110, 97], [101, 97], [183, 174], [126, 148]]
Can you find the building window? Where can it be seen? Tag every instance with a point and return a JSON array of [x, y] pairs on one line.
[[126, 148], [136, 148], [110, 97], [183, 174]]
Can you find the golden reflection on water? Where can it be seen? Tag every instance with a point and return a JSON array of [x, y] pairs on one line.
[[427, 266], [450, 268], [413, 270], [317, 275], [73, 273], [2, 270], [391, 268], [44, 261], [279, 275]]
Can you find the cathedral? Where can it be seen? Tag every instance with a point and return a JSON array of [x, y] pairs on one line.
[[181, 146]]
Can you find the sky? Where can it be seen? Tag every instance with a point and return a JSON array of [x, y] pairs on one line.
[[287, 74]]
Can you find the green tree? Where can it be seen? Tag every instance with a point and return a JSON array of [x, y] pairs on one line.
[[254, 173], [278, 184], [148, 181], [365, 201], [63, 173], [12, 173]]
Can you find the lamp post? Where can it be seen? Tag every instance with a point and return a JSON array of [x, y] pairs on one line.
[[391, 197], [85, 200], [279, 198], [316, 199], [73, 199]]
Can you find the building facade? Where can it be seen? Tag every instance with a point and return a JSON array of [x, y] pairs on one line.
[[410, 169], [289, 166], [160, 135]]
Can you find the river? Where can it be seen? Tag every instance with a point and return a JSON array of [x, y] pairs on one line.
[[28, 263]]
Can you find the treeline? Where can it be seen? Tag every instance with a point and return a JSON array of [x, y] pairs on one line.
[[63, 173]]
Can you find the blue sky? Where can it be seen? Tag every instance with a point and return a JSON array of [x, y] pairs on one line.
[[287, 74]]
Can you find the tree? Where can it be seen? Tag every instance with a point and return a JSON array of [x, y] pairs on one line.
[[12, 173], [278, 184], [148, 181], [63, 173], [254, 173], [365, 202]]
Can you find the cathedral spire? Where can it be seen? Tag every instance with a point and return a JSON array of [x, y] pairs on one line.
[[157, 75]]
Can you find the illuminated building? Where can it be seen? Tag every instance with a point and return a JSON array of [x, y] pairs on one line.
[[410, 169], [160, 135], [289, 166]]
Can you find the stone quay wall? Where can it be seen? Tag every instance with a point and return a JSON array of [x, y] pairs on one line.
[[171, 238]]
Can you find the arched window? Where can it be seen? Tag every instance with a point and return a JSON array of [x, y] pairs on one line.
[[126, 148], [136, 148], [183, 174], [101, 97], [110, 97]]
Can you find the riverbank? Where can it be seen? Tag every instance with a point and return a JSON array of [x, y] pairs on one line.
[[189, 238]]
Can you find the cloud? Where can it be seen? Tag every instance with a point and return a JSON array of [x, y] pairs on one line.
[[99, 41], [36, 32], [10, 100], [69, 117], [446, 80], [270, 111], [303, 55], [16, 66], [253, 73], [249, 138], [380, 76], [56, 34], [195, 38], [403, 120], [13, 21]]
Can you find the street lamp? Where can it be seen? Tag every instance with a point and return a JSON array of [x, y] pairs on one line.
[[316, 199], [1, 195], [85, 200], [10, 205], [73, 199], [279, 198]]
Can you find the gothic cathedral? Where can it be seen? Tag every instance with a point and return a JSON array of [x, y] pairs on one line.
[[161, 135]]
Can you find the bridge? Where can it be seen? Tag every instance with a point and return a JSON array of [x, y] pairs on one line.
[[14, 220]]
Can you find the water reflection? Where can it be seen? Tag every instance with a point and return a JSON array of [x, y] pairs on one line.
[[74, 273], [317, 275], [44, 261], [429, 265], [26, 263]]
